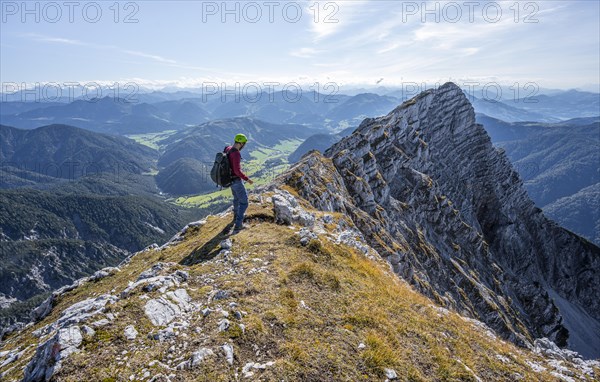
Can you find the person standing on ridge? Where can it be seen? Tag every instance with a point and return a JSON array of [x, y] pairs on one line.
[[240, 196]]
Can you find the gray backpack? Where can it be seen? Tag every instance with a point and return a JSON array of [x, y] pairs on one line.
[[221, 170]]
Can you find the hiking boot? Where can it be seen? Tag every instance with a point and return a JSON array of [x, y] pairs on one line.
[[237, 229]]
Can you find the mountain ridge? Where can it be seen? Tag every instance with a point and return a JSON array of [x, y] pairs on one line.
[[433, 143], [69, 152], [211, 308]]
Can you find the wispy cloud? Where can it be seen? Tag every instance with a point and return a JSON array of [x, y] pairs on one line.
[[150, 56], [66, 41], [329, 18], [551, 10], [304, 52], [394, 46], [58, 40]]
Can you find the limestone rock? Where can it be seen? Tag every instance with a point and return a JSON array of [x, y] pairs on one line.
[[390, 374], [150, 280], [79, 312], [288, 211], [226, 244], [48, 356], [161, 311], [130, 333], [228, 352], [430, 194], [199, 356], [104, 273]]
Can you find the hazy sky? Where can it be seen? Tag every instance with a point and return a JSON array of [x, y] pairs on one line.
[[555, 44]]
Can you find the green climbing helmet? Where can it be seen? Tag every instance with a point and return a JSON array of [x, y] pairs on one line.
[[240, 138]]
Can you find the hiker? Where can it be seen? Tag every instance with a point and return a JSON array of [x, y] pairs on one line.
[[240, 197]]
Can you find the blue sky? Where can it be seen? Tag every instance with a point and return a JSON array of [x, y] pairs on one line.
[[555, 44]]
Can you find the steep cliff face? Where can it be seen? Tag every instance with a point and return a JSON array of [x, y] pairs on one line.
[[432, 195]]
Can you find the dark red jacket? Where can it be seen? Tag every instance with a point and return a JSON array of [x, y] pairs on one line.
[[235, 159]]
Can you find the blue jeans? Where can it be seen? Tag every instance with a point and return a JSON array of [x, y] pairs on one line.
[[240, 201]]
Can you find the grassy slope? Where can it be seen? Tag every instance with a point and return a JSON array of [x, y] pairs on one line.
[[349, 298]]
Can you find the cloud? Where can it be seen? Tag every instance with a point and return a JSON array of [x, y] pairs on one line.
[[329, 18], [394, 46], [150, 56], [304, 52], [58, 40], [66, 41]]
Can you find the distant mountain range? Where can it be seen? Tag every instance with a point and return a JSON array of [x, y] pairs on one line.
[[160, 111], [105, 115], [70, 158], [560, 165], [564, 105], [319, 142], [116, 116], [579, 212], [67, 152], [185, 176], [202, 142], [509, 111], [542, 108]]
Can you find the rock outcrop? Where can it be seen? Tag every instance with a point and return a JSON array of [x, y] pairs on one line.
[[432, 195]]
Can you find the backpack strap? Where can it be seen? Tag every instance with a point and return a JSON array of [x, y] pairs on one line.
[[230, 150]]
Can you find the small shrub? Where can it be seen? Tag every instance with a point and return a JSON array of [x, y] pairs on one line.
[[234, 331], [331, 281], [254, 324], [303, 271], [295, 352], [317, 247], [270, 315], [360, 320], [288, 298]]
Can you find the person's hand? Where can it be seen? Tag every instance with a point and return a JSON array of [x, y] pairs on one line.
[[250, 181]]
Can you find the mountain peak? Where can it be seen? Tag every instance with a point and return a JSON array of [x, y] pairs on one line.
[[429, 191], [449, 95]]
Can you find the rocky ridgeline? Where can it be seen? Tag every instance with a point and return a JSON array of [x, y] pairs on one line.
[[432, 195], [163, 289], [170, 313]]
